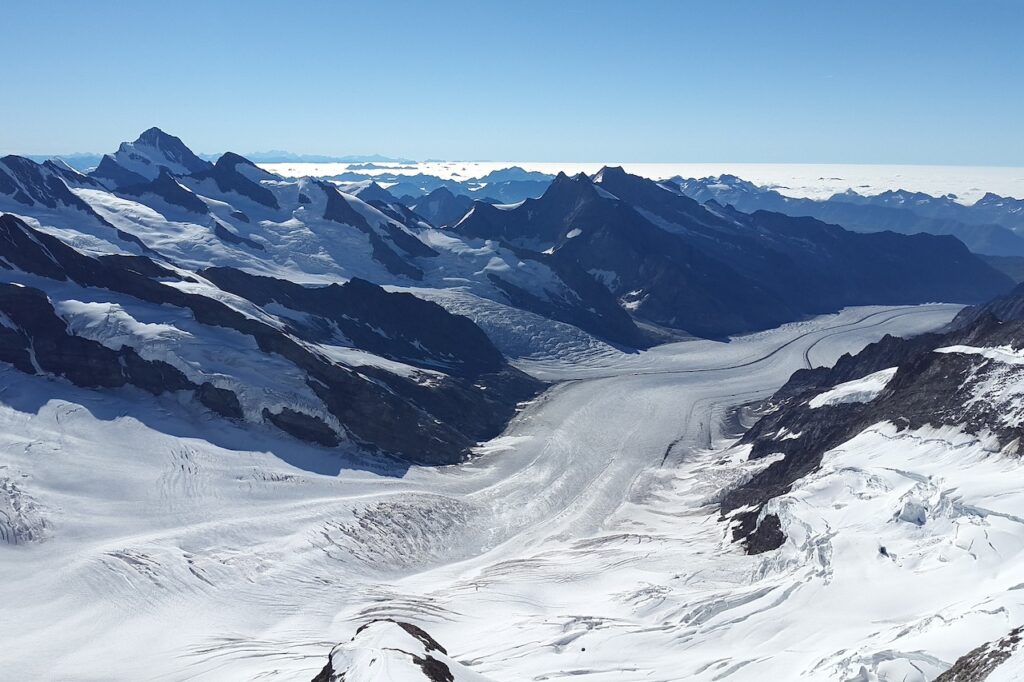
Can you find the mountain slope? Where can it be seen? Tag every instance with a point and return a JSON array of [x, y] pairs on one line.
[[342, 363], [673, 263], [153, 151], [968, 379]]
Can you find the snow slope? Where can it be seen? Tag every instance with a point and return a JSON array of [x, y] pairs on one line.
[[857, 391], [582, 544]]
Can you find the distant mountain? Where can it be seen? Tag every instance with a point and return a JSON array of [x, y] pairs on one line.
[[277, 156], [990, 209], [986, 228], [440, 206], [371, 191], [509, 191], [673, 263], [81, 161], [144, 159], [514, 174], [500, 187]]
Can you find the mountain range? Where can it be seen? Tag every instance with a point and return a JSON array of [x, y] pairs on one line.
[[293, 409], [296, 267], [992, 226]]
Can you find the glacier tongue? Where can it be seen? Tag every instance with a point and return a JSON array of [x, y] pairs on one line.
[[587, 545]]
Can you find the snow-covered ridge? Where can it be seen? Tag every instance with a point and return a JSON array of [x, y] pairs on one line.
[[394, 651], [860, 390], [1004, 354]]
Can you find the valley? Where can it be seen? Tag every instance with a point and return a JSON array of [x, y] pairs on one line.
[[589, 524]]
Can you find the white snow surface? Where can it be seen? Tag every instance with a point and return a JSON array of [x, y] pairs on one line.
[[1004, 354], [861, 390], [384, 651], [583, 544], [904, 551]]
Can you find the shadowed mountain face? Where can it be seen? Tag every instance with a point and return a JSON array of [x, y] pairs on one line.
[[441, 207], [674, 263]]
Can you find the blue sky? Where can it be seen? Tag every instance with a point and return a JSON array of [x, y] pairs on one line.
[[788, 82]]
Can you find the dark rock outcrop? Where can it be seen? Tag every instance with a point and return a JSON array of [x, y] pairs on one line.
[[228, 235], [409, 648], [303, 426], [441, 207], [167, 188], [339, 210], [226, 176], [399, 326]]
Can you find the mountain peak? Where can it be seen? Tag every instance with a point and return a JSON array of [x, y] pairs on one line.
[[569, 188], [609, 173], [154, 136], [231, 159], [154, 149]]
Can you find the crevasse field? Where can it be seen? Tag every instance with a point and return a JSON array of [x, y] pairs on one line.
[[588, 529]]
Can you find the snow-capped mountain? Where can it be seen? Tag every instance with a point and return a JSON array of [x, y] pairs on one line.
[[153, 151], [674, 263], [963, 379], [244, 418], [393, 650]]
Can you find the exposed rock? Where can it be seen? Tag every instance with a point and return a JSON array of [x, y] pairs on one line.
[[168, 189], [220, 400], [979, 663], [303, 426], [406, 651], [339, 210], [226, 176]]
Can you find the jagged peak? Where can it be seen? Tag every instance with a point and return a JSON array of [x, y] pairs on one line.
[[156, 137], [574, 188], [155, 148], [610, 173], [15, 161]]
